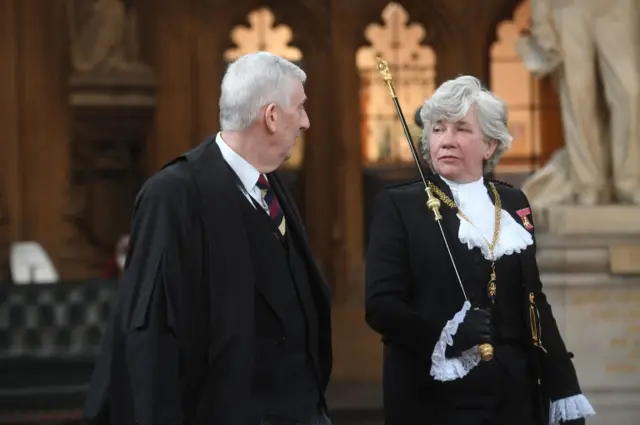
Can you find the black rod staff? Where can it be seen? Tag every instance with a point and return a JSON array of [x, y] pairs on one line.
[[433, 203]]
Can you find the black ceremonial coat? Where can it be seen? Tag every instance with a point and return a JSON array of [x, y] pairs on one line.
[[180, 345], [412, 291]]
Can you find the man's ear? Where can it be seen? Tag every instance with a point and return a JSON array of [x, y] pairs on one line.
[[270, 117]]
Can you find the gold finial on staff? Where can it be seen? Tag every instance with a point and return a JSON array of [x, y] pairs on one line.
[[383, 69], [433, 203]]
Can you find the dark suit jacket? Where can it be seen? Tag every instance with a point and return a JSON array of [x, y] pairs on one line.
[[412, 291], [180, 345]]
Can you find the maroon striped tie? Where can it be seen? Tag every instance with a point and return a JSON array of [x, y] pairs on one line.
[[269, 196]]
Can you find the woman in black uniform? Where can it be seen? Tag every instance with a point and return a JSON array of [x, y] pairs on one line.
[[431, 326]]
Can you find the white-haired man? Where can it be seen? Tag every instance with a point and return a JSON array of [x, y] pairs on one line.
[[222, 316]]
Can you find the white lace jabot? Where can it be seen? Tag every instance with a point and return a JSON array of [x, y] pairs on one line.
[[474, 201]]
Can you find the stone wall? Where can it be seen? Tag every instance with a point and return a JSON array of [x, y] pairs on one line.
[[589, 266]]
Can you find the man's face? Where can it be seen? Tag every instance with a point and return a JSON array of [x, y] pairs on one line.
[[285, 124]]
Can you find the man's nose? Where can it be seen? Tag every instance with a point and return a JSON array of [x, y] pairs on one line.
[[305, 123]]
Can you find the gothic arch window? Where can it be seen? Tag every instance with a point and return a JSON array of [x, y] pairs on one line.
[[262, 35], [533, 104], [413, 66]]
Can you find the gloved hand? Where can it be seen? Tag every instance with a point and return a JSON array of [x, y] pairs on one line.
[[475, 329]]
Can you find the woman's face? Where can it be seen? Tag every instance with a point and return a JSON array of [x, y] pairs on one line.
[[458, 149]]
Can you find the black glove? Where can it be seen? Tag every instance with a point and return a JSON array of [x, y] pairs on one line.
[[580, 421], [474, 330]]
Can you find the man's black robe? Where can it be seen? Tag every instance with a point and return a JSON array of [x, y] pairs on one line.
[[180, 345]]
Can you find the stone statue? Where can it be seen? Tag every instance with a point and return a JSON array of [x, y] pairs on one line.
[[104, 37], [591, 48]]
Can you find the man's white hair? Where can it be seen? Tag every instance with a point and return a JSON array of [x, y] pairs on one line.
[[451, 102], [253, 81]]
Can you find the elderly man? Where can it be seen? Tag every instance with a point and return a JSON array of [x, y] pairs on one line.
[[222, 316]]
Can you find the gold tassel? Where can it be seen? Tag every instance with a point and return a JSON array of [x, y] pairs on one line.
[[534, 320]]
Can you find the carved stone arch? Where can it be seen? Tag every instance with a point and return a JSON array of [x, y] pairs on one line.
[[402, 40], [309, 20], [369, 12], [436, 17], [305, 32], [233, 14], [452, 28], [504, 12], [361, 14]]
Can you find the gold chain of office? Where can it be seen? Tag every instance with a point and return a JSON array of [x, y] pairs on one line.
[[492, 288]]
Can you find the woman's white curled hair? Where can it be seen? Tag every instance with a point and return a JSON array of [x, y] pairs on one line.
[[451, 102]]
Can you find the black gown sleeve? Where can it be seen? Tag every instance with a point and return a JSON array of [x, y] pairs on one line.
[[163, 313], [388, 281]]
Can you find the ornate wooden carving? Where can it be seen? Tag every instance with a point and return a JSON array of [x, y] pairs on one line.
[[113, 99], [104, 37], [111, 120]]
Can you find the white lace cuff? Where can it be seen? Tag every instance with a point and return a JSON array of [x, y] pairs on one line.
[[444, 369], [570, 408]]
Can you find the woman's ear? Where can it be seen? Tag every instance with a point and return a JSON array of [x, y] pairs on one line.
[[490, 148]]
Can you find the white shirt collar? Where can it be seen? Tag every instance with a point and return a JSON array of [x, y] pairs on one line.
[[462, 188], [246, 172]]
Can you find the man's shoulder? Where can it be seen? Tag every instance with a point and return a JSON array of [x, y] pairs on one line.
[[172, 181]]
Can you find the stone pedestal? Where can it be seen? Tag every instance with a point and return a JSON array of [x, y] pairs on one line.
[[589, 261]]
